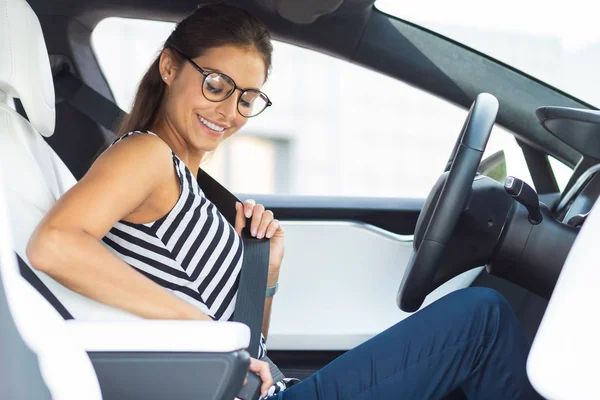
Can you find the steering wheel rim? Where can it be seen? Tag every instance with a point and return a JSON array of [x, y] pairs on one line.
[[441, 215]]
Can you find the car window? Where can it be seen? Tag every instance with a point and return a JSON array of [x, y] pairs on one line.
[[510, 161], [556, 43], [335, 129], [562, 172]]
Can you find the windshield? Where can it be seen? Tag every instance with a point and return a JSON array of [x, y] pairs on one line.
[[557, 45]]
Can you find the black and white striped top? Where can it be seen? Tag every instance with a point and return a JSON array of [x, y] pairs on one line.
[[193, 250]]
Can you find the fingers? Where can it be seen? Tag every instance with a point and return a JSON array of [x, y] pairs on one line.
[[240, 218], [257, 215], [263, 370], [249, 207], [263, 222], [272, 228]]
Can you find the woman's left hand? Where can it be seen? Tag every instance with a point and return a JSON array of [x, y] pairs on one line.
[[264, 225]]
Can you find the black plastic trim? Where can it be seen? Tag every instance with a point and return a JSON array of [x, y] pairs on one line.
[[532, 256], [540, 169], [583, 167], [166, 375], [578, 128], [395, 215]]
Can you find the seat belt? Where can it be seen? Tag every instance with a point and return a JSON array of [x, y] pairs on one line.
[[250, 302], [37, 283], [86, 100]]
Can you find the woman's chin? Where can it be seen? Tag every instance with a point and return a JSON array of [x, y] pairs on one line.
[[206, 143], [207, 146]]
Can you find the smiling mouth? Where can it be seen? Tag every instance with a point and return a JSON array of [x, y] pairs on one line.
[[210, 125]]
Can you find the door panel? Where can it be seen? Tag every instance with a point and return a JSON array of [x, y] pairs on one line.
[[396, 215], [338, 285]]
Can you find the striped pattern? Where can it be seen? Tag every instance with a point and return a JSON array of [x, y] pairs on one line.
[[193, 250]]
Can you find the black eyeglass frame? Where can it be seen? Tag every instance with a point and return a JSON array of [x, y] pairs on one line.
[[206, 73]]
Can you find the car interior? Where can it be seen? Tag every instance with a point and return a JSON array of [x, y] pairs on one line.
[[58, 112]]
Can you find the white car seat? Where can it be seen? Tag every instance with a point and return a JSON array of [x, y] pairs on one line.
[[36, 177], [63, 363], [563, 362]]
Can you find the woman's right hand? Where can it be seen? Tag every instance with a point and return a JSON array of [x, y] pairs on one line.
[[264, 371]]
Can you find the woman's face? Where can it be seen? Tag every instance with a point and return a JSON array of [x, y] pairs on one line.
[[191, 114]]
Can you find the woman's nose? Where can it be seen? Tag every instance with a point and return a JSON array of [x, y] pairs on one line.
[[228, 107]]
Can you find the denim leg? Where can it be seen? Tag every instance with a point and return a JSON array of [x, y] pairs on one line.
[[469, 338]]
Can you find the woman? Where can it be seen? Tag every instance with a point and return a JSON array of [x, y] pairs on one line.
[[139, 205]]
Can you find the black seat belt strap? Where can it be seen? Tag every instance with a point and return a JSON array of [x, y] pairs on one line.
[[37, 283], [249, 306], [250, 303], [86, 100]]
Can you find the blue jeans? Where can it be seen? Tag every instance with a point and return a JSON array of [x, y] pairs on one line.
[[470, 338]]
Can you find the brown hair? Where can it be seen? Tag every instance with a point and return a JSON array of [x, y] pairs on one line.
[[209, 26]]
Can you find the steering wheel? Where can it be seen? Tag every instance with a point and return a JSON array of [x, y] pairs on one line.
[[445, 203]]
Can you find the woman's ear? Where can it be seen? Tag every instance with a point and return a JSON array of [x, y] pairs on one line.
[[167, 66]]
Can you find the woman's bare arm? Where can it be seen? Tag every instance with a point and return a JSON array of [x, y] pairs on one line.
[[66, 244]]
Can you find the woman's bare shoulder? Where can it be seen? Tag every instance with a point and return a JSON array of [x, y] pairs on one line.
[[142, 152], [119, 182]]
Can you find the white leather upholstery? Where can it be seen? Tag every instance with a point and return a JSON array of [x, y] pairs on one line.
[[64, 364], [36, 176], [24, 67], [149, 336], [563, 362]]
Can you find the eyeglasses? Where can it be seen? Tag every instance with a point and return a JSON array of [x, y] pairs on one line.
[[218, 87]]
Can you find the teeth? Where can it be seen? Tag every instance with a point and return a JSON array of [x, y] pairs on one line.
[[211, 125]]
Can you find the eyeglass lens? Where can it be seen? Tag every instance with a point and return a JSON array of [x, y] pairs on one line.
[[218, 87]]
